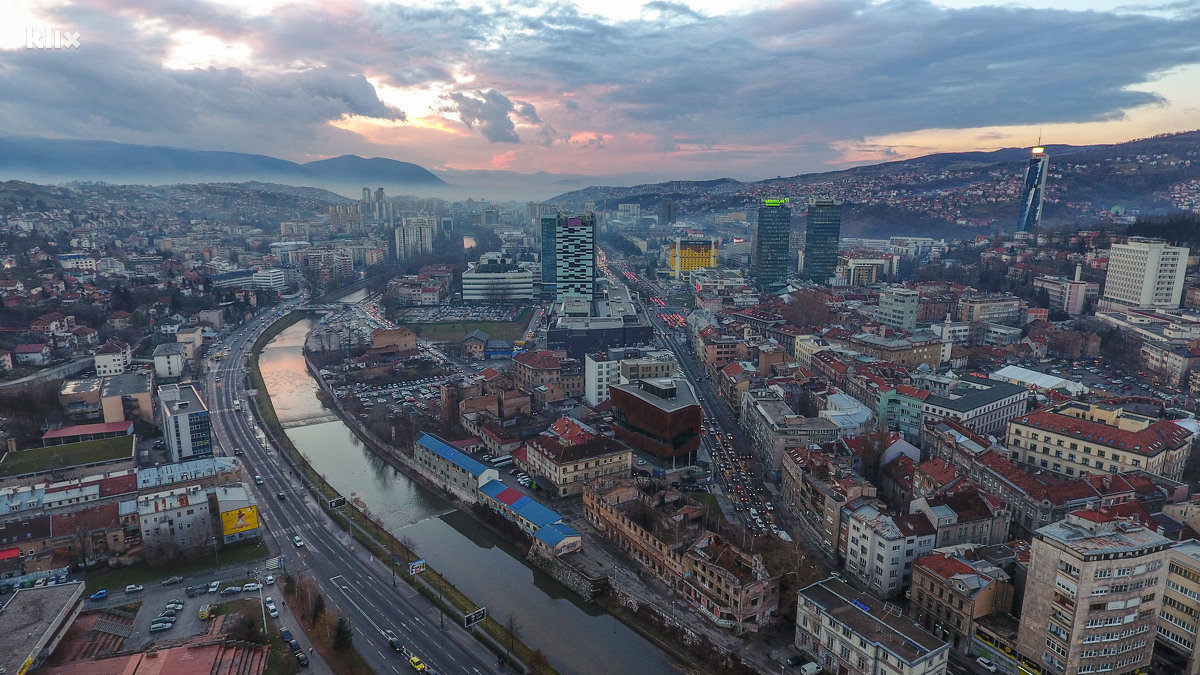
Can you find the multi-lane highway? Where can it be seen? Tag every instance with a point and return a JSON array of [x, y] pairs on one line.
[[355, 584]]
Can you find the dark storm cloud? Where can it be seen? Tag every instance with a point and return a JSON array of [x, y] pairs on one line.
[[489, 110]]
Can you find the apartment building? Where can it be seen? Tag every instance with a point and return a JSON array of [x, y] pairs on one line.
[[1179, 617], [967, 516], [773, 428], [187, 426], [567, 466], [1080, 439], [1145, 273], [951, 592], [1092, 595], [1004, 309], [983, 405], [816, 487], [730, 587], [880, 548], [852, 633]]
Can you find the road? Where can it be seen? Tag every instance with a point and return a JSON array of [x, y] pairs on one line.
[[353, 583]]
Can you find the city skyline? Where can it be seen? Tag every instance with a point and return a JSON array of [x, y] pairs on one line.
[[674, 90]]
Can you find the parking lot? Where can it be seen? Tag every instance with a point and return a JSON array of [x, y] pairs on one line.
[[462, 313]]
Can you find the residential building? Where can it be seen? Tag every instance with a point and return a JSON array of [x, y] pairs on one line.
[[816, 487], [999, 308], [898, 307], [112, 358], [414, 237], [1077, 438], [621, 365], [854, 633], [127, 397], [730, 587], [880, 548], [1093, 594], [1144, 274], [822, 239], [174, 522], [771, 244], [1068, 295], [168, 360], [686, 254], [951, 592], [967, 516], [186, 424], [569, 256], [662, 418], [564, 466], [1180, 612], [773, 428]]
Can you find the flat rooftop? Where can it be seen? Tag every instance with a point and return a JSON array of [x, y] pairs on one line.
[[28, 616]]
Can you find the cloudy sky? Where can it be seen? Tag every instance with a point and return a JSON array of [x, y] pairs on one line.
[[698, 88]]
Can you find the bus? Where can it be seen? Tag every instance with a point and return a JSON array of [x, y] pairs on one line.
[[502, 460]]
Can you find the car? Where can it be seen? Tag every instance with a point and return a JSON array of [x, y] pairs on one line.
[[62, 578], [303, 659], [285, 634], [281, 496], [416, 663], [295, 647], [175, 601], [164, 618], [237, 451], [270, 580], [172, 580], [175, 605], [297, 541], [272, 611], [167, 612], [156, 627], [214, 587], [192, 591], [986, 664], [99, 595], [258, 480], [231, 590], [252, 587], [134, 588]]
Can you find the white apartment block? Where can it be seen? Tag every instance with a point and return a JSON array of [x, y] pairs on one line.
[[1180, 613], [1145, 273], [880, 547], [177, 518]]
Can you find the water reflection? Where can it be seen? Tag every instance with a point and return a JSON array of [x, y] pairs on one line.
[[576, 637]]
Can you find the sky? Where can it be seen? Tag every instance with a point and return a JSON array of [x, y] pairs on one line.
[[694, 89]]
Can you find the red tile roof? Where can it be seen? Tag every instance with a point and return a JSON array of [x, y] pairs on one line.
[[1160, 436], [938, 471], [944, 566]]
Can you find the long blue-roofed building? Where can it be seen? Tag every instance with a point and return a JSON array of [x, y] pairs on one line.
[[450, 469]]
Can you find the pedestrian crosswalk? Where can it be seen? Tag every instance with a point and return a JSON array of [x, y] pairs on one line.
[[275, 563]]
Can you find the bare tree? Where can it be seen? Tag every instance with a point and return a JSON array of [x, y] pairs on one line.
[[512, 626]]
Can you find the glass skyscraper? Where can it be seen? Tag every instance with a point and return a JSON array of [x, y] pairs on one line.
[[771, 244], [569, 266], [1035, 189], [821, 241]]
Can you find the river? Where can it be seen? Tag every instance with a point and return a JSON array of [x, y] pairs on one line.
[[575, 636]]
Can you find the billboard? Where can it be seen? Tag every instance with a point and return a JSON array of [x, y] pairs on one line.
[[239, 520]]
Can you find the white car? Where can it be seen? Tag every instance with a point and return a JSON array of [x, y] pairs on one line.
[[297, 540], [252, 587], [986, 664], [270, 580], [272, 611]]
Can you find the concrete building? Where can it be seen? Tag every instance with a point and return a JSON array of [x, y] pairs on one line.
[[186, 424], [880, 548], [730, 587], [1080, 439], [816, 487], [274, 280], [898, 307], [854, 633], [168, 360], [981, 404], [1000, 308], [238, 509], [497, 278], [686, 254], [128, 397], [1068, 295], [951, 592], [1093, 594], [112, 358], [620, 365], [174, 522], [563, 466], [1145, 273], [568, 256], [773, 428], [34, 622], [1179, 617], [414, 237]]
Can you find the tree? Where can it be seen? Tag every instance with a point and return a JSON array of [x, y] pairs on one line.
[[808, 308], [318, 607], [343, 636], [512, 625]]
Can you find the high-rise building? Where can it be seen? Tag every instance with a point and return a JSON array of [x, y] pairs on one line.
[[1034, 191], [898, 307], [187, 427], [666, 212], [1178, 631], [1145, 273], [1092, 595], [771, 243], [569, 256], [414, 237], [691, 253], [821, 239]]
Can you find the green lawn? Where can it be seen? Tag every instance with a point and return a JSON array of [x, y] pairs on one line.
[[456, 330], [45, 459], [116, 579]]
